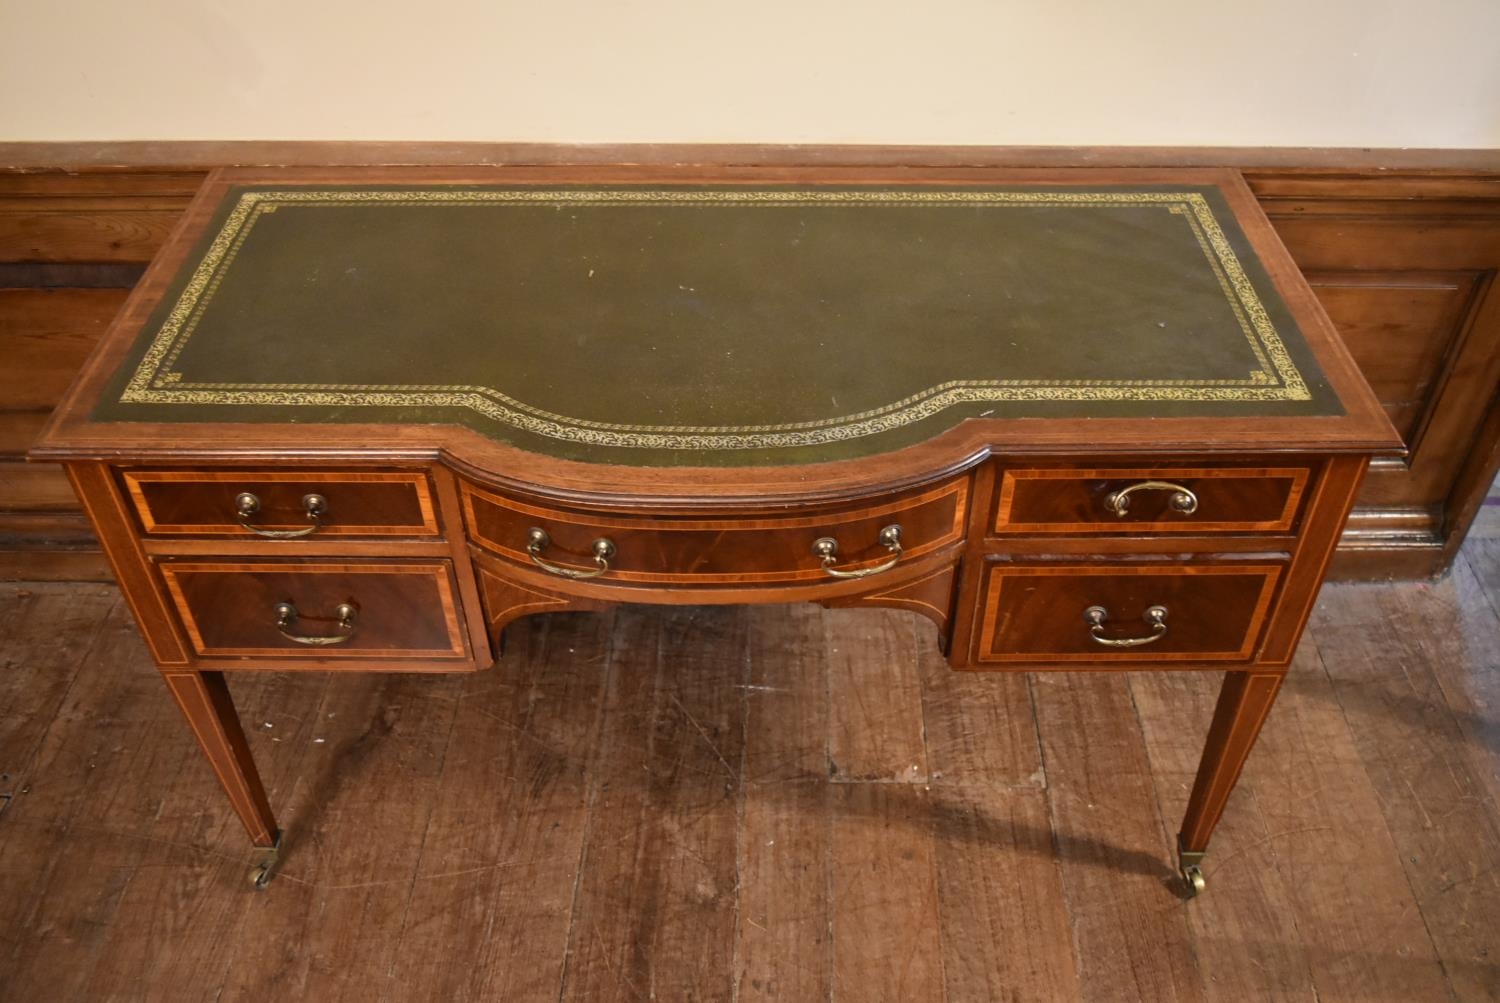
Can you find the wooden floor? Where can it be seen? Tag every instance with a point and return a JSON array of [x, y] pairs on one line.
[[771, 803]]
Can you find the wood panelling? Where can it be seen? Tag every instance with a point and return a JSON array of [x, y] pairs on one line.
[[1401, 327], [1402, 248], [56, 217], [45, 334], [71, 246], [98, 233], [34, 487], [18, 430], [1407, 272]]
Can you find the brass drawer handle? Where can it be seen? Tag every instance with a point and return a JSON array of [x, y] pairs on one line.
[[1156, 616], [1183, 500], [286, 615], [537, 541], [826, 548], [246, 505]]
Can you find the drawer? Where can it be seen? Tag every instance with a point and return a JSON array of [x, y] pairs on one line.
[[747, 548], [1103, 613], [403, 609], [1155, 499], [355, 502]]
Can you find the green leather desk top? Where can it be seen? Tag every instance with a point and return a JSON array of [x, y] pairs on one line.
[[718, 326]]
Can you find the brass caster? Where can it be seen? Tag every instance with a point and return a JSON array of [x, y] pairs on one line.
[[1190, 865], [265, 868]]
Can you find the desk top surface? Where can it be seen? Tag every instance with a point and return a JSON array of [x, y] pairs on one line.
[[667, 322]]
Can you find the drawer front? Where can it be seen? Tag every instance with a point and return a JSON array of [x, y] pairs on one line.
[[400, 609], [759, 548], [1073, 500], [356, 502], [1213, 612]]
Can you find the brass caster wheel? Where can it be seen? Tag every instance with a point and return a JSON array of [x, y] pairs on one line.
[[260, 874], [1190, 866], [265, 868], [1193, 875]]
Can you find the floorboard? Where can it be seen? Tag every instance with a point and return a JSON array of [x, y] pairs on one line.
[[778, 803], [784, 933]]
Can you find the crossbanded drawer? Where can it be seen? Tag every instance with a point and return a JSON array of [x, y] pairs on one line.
[[396, 609], [748, 548], [374, 503], [1123, 612], [1157, 499]]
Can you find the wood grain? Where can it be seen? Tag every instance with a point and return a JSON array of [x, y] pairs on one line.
[[745, 547], [1249, 903], [405, 609], [191, 864], [1034, 613], [1227, 499], [978, 729], [1324, 828], [497, 873], [35, 487], [385, 742], [883, 891], [1120, 890], [999, 884], [1425, 750], [45, 334], [18, 429], [874, 702], [71, 234], [70, 837], [784, 937], [427, 800], [357, 503], [655, 908], [1401, 327], [38, 626]]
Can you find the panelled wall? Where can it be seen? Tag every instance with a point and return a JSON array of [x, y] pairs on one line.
[[71, 247], [1406, 267], [1405, 261]]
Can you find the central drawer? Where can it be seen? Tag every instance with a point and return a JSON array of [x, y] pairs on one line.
[[753, 547], [318, 609]]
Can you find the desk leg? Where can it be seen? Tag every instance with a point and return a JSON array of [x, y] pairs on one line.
[[1244, 702], [204, 700]]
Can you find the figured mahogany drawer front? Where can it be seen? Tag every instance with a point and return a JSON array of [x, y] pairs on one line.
[[1153, 500], [745, 548], [1123, 612], [353, 502], [338, 609]]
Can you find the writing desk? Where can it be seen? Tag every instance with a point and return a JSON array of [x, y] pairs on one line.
[[363, 420]]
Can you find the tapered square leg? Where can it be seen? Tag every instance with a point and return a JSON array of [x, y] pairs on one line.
[[205, 702], [1244, 701]]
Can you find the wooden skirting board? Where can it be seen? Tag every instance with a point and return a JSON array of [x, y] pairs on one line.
[[1401, 246]]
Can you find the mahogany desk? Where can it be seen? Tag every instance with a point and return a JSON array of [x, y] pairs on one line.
[[362, 420]]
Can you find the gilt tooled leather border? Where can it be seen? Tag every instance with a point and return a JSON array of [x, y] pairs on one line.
[[156, 381]]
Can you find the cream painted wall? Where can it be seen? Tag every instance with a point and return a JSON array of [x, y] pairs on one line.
[[1181, 72]]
